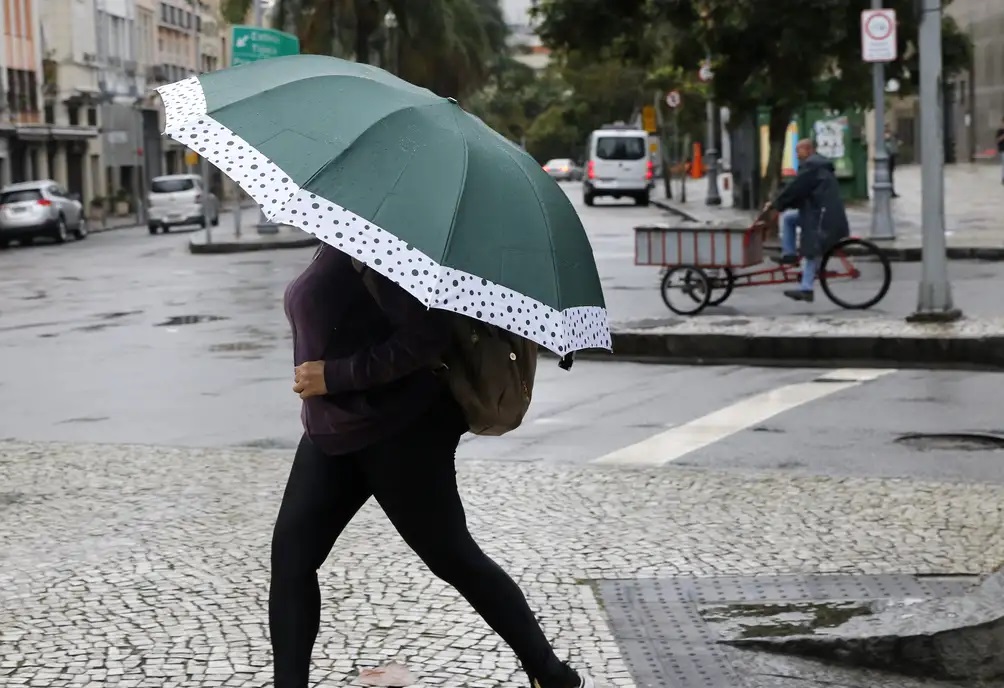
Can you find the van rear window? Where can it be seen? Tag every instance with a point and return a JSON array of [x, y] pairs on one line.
[[171, 185], [620, 148]]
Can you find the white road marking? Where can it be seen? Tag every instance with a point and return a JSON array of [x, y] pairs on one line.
[[677, 442]]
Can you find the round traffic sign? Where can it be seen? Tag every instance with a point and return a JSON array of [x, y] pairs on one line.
[[673, 99], [705, 73], [878, 26]]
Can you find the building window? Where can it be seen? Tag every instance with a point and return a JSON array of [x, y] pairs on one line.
[[73, 113], [50, 114], [163, 12], [92, 117]]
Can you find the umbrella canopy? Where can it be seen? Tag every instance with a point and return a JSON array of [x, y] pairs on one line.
[[405, 181]]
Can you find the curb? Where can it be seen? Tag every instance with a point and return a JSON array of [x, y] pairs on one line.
[[217, 248], [973, 353], [659, 203]]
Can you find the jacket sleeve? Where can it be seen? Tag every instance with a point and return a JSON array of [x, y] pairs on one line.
[[798, 190], [419, 338]]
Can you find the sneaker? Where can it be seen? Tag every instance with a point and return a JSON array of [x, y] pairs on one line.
[[569, 679], [800, 295], [788, 260]]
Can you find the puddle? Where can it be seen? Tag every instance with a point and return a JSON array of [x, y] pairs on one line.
[[114, 315], [84, 419], [269, 443], [177, 320], [93, 328], [10, 498], [238, 347], [38, 295], [743, 621], [952, 441]]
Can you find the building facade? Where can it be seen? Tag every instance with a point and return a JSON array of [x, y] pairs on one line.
[[977, 97], [76, 90], [23, 135]]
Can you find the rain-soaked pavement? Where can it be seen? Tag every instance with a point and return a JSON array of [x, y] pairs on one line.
[[144, 394], [127, 337]]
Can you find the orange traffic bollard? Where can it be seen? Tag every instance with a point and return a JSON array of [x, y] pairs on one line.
[[697, 167]]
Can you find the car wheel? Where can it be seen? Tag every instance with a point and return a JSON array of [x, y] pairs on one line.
[[62, 233], [642, 199], [202, 222], [588, 199], [216, 220], [152, 228], [4, 244], [81, 231]]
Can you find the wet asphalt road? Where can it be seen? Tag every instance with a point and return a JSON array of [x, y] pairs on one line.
[[127, 337]]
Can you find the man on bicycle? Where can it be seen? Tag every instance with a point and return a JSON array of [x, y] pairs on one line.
[[814, 194]]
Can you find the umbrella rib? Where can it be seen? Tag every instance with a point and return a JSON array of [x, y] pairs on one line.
[[547, 223], [460, 194], [351, 146]]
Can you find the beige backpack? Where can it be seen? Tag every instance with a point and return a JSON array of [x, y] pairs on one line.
[[490, 371]]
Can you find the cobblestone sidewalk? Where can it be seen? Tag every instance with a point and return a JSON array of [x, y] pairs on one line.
[[142, 566]]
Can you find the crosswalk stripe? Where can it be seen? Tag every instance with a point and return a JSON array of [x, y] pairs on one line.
[[677, 442]]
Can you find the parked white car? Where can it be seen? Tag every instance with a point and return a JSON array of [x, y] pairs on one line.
[[176, 200], [618, 164], [29, 210]]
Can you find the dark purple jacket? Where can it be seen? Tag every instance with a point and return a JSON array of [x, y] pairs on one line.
[[378, 360]]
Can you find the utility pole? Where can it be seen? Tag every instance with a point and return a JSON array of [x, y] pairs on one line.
[[934, 301], [882, 224], [711, 154], [265, 226]]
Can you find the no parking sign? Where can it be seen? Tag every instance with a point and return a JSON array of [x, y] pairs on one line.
[[878, 35]]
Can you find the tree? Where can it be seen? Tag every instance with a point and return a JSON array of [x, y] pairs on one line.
[[779, 55], [448, 46]]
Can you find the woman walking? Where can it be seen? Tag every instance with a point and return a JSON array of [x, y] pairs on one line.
[[379, 422]]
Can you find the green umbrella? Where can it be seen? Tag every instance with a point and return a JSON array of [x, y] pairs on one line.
[[405, 181]]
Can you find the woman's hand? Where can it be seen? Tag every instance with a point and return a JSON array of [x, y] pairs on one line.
[[308, 379]]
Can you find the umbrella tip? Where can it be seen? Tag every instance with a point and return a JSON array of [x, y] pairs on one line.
[[452, 100]]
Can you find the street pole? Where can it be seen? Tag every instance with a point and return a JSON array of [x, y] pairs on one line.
[[664, 154], [264, 225], [934, 300], [882, 225], [712, 153], [139, 156]]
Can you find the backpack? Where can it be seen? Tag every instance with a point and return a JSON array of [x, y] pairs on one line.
[[489, 370]]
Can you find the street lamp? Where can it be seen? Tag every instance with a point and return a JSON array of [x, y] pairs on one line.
[[390, 21]]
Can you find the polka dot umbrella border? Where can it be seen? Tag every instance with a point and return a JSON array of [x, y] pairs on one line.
[[435, 285]]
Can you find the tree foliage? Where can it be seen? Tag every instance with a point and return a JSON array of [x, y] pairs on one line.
[[448, 46], [765, 53]]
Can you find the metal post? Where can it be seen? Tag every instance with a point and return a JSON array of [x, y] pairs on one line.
[[882, 225], [264, 225], [138, 178], [712, 154], [934, 302], [684, 148]]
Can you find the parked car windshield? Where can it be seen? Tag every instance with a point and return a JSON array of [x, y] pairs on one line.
[[171, 185], [620, 148], [22, 196]]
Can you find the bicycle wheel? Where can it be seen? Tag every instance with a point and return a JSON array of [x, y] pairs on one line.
[[855, 274], [685, 290], [721, 282]]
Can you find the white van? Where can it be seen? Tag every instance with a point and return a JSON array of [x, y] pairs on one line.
[[618, 164], [179, 199]]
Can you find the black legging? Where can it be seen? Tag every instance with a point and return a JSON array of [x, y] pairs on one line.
[[413, 478]]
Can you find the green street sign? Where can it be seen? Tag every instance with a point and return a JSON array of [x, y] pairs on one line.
[[253, 43]]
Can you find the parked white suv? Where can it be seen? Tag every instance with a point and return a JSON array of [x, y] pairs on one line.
[[618, 164], [40, 209], [176, 200]]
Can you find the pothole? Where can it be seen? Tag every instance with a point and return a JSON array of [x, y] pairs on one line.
[[952, 441], [177, 320]]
